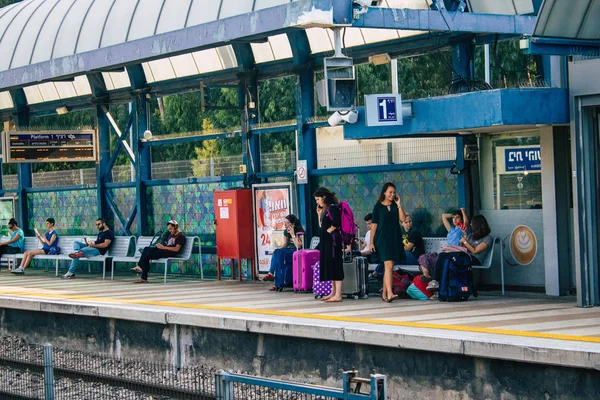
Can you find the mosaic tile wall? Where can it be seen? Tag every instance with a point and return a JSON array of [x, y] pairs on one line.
[[425, 194], [75, 212]]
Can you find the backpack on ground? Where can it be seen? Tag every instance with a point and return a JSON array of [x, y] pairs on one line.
[[348, 228], [401, 280], [457, 278]]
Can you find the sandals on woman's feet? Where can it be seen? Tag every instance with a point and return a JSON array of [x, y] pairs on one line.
[[140, 281], [391, 299], [136, 270]]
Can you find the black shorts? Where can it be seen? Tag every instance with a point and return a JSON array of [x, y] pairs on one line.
[[46, 251]]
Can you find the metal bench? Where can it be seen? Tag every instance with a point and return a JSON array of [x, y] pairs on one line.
[[434, 244], [144, 241], [119, 248], [31, 243]]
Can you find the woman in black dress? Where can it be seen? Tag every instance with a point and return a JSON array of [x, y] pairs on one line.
[[330, 242], [386, 243]]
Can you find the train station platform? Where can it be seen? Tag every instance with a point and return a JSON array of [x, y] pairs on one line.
[[517, 328]]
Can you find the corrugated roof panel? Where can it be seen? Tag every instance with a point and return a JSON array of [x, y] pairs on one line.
[[260, 4], [262, 52], [93, 26], [82, 86], [65, 90], [569, 19], [173, 16], [145, 19], [33, 94], [48, 92], [117, 24], [66, 39], [229, 8], [11, 37], [184, 65], [281, 46], [6, 101], [148, 73], [118, 80], [162, 69], [207, 61], [319, 40], [202, 12], [227, 57], [29, 35]]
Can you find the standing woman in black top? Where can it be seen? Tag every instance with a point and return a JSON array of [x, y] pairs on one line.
[[386, 236], [330, 242]]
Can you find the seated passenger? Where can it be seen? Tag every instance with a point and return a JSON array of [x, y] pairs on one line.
[[365, 245], [290, 241], [477, 244], [412, 239], [17, 239], [49, 246], [174, 244], [89, 248], [459, 227]]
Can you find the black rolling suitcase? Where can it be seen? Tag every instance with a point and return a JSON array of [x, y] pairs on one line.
[[356, 279]]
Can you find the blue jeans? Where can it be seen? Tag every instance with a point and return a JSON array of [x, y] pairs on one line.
[[410, 259], [87, 252], [273, 266]]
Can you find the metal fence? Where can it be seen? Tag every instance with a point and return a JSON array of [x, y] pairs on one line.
[[39, 372]]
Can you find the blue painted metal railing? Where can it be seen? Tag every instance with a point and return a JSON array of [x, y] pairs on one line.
[[229, 386]]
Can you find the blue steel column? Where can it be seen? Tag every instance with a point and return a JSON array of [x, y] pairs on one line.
[[306, 138], [103, 174], [248, 91], [142, 154], [462, 63], [24, 174]]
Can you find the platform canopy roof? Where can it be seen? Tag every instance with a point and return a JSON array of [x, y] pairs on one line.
[[47, 47]]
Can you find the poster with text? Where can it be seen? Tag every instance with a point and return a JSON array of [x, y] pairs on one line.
[[272, 203]]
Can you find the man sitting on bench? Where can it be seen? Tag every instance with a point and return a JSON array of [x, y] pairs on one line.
[[174, 244], [89, 248]]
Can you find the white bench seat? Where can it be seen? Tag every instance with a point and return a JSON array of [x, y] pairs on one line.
[[183, 255], [119, 248], [434, 244]]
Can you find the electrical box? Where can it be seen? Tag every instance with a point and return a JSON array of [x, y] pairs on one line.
[[338, 90], [234, 225]]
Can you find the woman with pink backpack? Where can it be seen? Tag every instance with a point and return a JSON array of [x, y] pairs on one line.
[[331, 258]]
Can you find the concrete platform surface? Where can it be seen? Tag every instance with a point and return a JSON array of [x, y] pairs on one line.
[[516, 327]]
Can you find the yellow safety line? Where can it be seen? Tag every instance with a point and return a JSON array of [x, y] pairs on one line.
[[509, 332]]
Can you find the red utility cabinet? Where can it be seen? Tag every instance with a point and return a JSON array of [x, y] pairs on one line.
[[235, 228]]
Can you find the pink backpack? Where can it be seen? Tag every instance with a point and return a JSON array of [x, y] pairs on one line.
[[348, 228]]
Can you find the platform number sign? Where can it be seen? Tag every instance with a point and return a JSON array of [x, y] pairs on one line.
[[387, 109], [383, 109]]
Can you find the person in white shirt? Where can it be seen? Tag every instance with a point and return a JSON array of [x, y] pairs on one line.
[[365, 248]]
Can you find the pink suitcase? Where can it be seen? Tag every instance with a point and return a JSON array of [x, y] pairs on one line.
[[303, 263]]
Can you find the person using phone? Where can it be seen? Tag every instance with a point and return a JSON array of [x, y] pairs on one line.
[[385, 231], [174, 244], [49, 242], [291, 242], [331, 256], [91, 249]]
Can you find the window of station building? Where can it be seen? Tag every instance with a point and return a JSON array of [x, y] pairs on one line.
[[517, 171]]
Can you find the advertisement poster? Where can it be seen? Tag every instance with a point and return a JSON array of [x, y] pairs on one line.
[[7, 211], [272, 203]]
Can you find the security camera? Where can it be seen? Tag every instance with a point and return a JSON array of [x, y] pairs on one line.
[[368, 3], [350, 117]]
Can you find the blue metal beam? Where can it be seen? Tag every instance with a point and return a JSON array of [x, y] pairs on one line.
[[428, 20], [189, 181], [382, 168], [473, 112], [189, 139], [103, 175], [251, 25], [561, 47]]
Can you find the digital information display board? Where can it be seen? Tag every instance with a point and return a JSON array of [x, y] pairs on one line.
[[50, 146]]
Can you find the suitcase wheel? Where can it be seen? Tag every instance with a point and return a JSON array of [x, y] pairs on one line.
[[317, 296], [280, 289], [366, 296], [355, 297]]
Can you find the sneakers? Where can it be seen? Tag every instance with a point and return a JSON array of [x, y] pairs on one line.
[[435, 296], [433, 285], [77, 254], [18, 271], [268, 277], [69, 275]]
